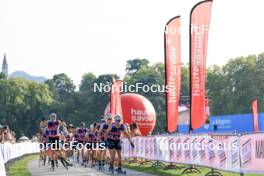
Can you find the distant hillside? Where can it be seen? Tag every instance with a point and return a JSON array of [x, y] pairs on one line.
[[24, 75]]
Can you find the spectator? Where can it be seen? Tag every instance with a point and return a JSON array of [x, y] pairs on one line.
[[13, 136], [134, 130], [6, 135], [43, 124], [1, 133], [127, 127]]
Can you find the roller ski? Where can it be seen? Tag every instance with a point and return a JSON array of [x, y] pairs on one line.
[[57, 164], [111, 170], [52, 165], [64, 163], [68, 163], [101, 166], [44, 162], [85, 164], [92, 165], [119, 171]]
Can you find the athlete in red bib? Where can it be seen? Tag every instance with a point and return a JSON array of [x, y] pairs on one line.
[[105, 122], [53, 137], [114, 143], [80, 137]]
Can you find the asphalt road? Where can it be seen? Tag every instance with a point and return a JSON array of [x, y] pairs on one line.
[[75, 170]]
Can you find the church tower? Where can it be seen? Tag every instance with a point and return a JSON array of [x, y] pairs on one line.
[[5, 66]]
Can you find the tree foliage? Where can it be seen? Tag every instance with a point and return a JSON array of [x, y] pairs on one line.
[[231, 88], [23, 103]]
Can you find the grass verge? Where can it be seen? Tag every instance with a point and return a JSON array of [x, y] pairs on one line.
[[147, 168], [18, 167]]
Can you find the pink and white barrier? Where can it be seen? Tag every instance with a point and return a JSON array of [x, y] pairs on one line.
[[244, 154], [10, 151]]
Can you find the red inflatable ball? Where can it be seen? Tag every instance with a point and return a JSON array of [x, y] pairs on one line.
[[137, 109]]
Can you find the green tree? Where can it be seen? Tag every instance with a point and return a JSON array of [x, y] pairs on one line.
[[134, 65], [185, 84], [235, 85], [87, 82], [63, 91], [91, 102], [62, 86], [23, 103], [2, 75]]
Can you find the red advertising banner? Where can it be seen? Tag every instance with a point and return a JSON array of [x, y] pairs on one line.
[[112, 99], [115, 102], [254, 107], [118, 97], [199, 27], [172, 44]]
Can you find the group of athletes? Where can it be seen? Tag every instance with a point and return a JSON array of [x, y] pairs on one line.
[[107, 132]]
